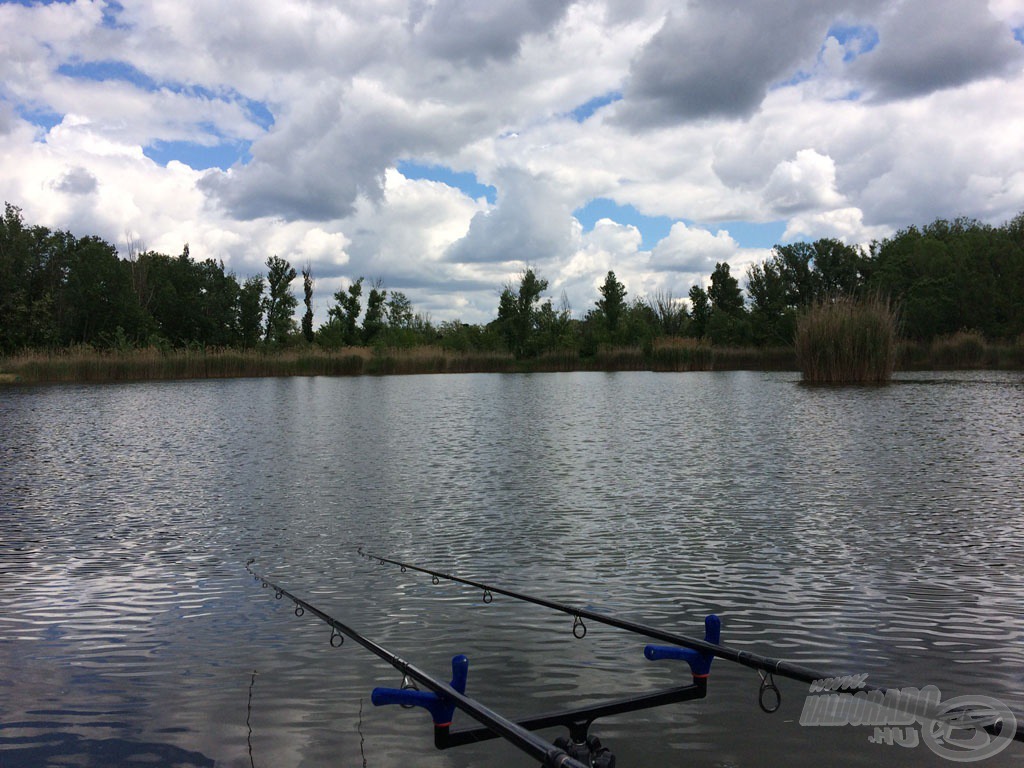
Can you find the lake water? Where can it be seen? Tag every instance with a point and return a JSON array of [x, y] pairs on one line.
[[866, 530]]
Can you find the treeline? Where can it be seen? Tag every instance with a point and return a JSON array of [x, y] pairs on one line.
[[58, 291]]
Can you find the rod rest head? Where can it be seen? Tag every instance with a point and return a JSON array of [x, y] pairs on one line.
[[700, 662], [440, 708]]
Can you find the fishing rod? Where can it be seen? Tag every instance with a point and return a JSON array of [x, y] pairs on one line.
[[769, 696], [444, 699]]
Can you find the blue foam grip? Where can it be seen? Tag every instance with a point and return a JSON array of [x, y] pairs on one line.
[[439, 707], [700, 663]]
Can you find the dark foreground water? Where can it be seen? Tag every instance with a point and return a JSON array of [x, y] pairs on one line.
[[876, 531]]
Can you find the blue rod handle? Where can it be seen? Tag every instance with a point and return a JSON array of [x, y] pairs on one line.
[[700, 663], [439, 706]]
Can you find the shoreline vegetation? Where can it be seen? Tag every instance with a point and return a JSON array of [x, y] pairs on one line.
[[85, 364], [944, 296]]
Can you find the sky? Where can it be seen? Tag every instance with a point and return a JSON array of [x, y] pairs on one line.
[[442, 146]]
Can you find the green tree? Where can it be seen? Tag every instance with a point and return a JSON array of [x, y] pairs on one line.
[[518, 316], [724, 293], [307, 294], [279, 304], [219, 294], [250, 312], [794, 264], [402, 326], [838, 268], [399, 311], [640, 325], [15, 261], [773, 321], [98, 296], [700, 311], [554, 327], [917, 271], [185, 302], [34, 263], [375, 318], [612, 303], [343, 318]]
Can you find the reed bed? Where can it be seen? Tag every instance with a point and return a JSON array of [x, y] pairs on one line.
[[847, 342], [681, 354], [966, 349], [84, 364], [429, 359]]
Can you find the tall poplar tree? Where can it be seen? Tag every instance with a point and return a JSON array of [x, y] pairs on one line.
[[279, 304], [307, 289]]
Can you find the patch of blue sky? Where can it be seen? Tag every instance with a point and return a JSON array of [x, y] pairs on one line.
[[652, 229], [257, 111], [199, 157], [107, 70], [1018, 35], [857, 39], [111, 8], [752, 234], [41, 118], [464, 181], [587, 109], [853, 95], [121, 71], [800, 77]]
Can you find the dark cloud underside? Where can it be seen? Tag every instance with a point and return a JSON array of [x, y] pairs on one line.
[[473, 32], [927, 46]]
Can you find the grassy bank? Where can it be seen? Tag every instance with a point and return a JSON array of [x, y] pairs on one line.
[[84, 364]]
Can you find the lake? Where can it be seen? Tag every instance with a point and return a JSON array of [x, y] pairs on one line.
[[874, 531]]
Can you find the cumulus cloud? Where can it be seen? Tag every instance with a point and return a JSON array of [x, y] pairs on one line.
[[806, 182], [530, 223], [846, 224], [690, 249], [315, 164]]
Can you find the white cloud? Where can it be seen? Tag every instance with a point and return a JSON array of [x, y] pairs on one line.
[[689, 249], [846, 224], [806, 182], [531, 223]]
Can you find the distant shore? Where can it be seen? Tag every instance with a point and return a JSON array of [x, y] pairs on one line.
[[85, 364]]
